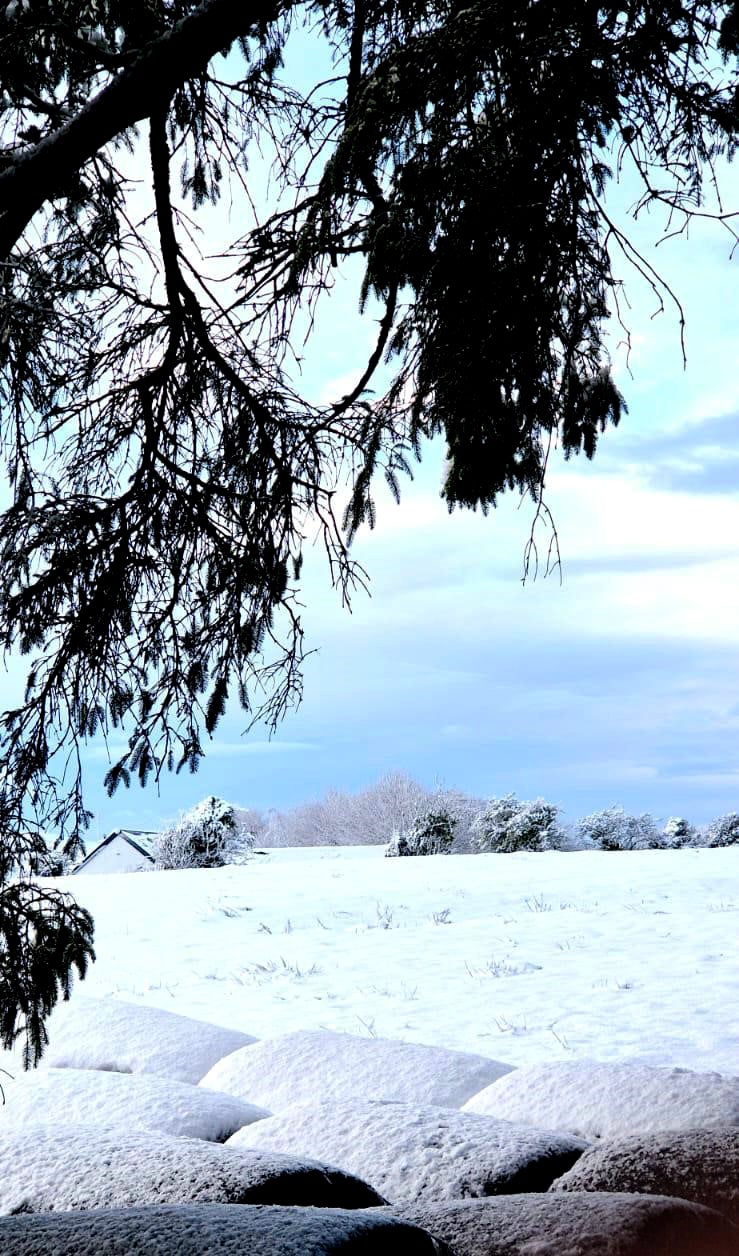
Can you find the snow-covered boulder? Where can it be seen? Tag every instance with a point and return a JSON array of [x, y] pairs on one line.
[[702, 1165], [126, 1038], [609, 1100], [319, 1064], [56, 1168], [409, 1152], [209, 1228], [124, 1101], [576, 1225]]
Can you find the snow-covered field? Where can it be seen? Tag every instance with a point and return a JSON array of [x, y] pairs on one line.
[[526, 958]]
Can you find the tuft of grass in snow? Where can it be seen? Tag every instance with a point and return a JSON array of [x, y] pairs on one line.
[[443, 917], [537, 903], [502, 968], [276, 968], [385, 917], [510, 1027]]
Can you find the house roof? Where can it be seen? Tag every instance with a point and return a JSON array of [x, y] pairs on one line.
[[140, 839]]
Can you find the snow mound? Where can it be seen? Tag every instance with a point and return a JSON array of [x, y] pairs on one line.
[[576, 1225], [307, 1065], [209, 1228], [700, 1165], [609, 1100], [125, 1038], [53, 1169], [124, 1101], [417, 1153]]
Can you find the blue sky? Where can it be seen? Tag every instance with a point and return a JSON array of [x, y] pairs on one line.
[[618, 684]]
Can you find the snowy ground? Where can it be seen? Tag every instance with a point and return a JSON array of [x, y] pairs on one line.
[[526, 958]]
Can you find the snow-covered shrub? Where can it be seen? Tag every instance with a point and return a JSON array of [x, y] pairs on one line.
[[724, 831], [613, 829], [431, 834], [49, 859], [679, 832], [509, 824], [208, 836]]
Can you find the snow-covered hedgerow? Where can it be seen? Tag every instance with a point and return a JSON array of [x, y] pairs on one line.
[[724, 831], [506, 825], [613, 829]]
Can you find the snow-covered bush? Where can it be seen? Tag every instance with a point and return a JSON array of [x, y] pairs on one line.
[[724, 831], [49, 860], [613, 829], [208, 836], [679, 832], [509, 824], [432, 834]]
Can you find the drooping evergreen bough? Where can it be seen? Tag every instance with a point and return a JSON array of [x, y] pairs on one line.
[[165, 463]]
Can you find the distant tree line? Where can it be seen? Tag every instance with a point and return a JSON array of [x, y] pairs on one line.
[[410, 820], [413, 819]]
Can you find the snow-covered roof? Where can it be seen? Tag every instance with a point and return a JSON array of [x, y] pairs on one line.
[[141, 840]]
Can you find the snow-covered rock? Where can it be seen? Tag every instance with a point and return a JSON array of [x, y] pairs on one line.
[[302, 1066], [53, 1168], [209, 1228], [608, 1100], [702, 1165], [576, 1225], [127, 1038], [413, 1153], [124, 1101]]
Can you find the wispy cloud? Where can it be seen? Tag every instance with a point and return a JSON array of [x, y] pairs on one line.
[[229, 749]]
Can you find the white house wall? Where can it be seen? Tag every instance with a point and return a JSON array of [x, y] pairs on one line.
[[116, 856]]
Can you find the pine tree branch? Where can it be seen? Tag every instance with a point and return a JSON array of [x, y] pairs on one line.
[[33, 177]]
